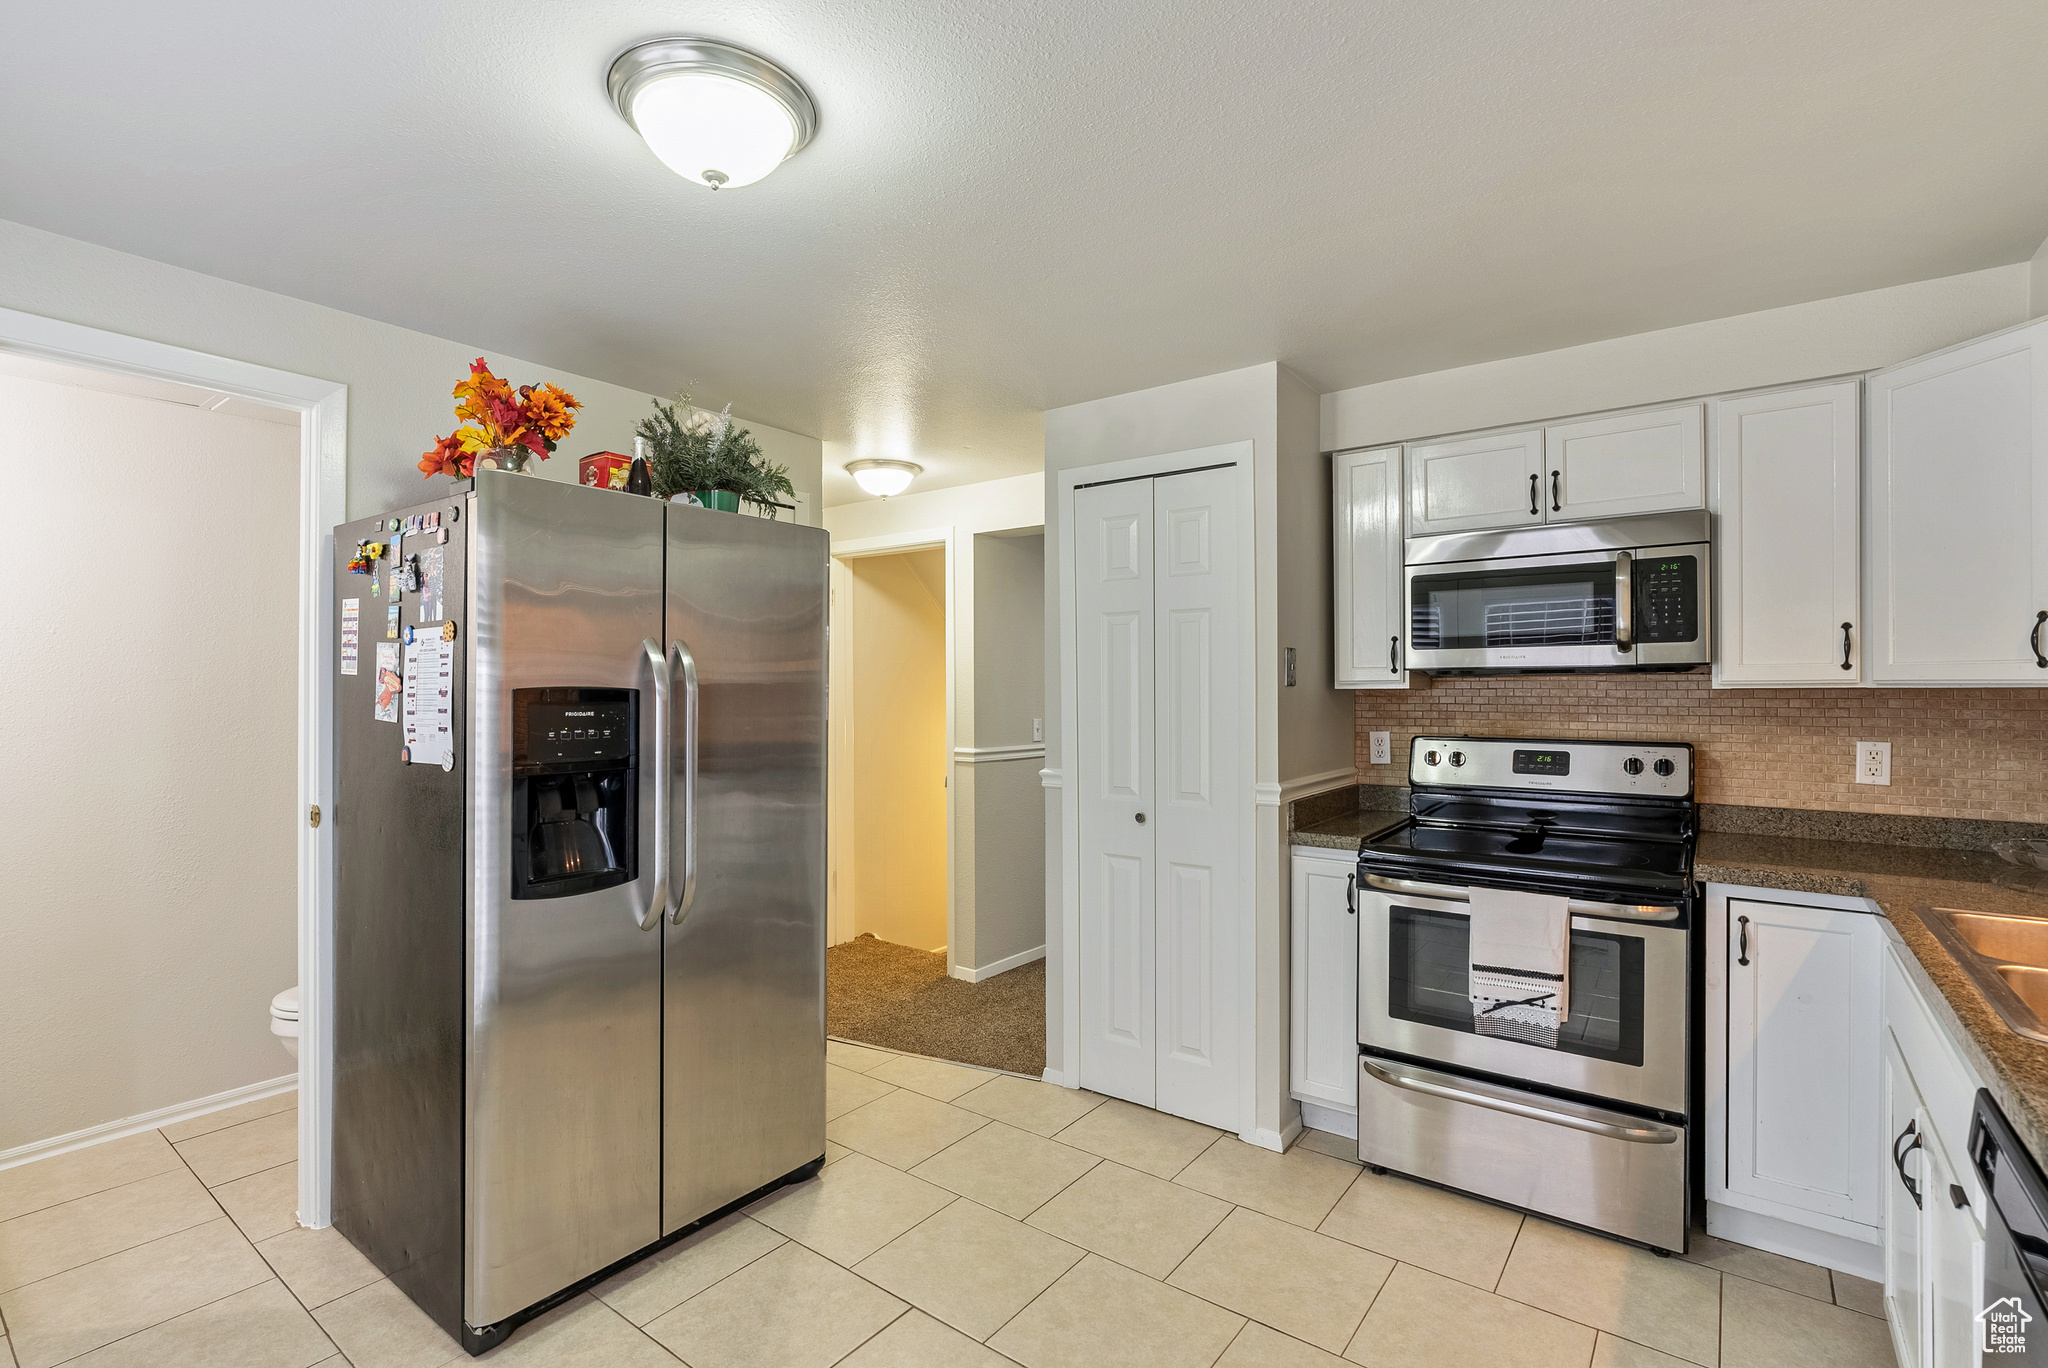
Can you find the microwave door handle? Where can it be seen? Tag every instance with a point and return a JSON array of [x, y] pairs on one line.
[[1624, 601], [657, 897], [686, 663]]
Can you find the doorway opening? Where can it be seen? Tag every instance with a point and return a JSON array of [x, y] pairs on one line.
[[159, 677], [927, 956]]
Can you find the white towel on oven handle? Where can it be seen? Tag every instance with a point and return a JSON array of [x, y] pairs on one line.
[[1520, 963]]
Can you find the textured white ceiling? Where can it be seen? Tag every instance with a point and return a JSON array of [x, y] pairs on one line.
[[1013, 207]]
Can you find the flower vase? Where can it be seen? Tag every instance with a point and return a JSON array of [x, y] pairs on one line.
[[724, 500], [517, 460]]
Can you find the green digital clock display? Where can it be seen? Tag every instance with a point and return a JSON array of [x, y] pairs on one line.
[[1543, 762]]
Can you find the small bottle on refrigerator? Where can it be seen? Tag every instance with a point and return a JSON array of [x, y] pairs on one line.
[[640, 479]]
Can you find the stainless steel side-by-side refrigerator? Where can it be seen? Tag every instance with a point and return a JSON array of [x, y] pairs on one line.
[[580, 910]]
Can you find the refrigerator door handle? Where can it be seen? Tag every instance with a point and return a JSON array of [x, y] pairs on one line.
[[657, 898], [687, 663]]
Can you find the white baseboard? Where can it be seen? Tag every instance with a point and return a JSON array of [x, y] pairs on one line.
[[1058, 1079], [1333, 1120], [1001, 966], [1778, 1236], [1274, 1140], [134, 1125]]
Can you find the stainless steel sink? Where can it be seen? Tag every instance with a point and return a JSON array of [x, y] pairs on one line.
[[2006, 957]]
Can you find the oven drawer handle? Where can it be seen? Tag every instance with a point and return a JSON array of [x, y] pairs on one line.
[[1444, 893], [1637, 1133]]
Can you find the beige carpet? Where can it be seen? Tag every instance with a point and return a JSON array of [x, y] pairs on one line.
[[902, 999]]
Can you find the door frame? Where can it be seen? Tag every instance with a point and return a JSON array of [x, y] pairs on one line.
[[322, 406], [1069, 1024], [839, 855]]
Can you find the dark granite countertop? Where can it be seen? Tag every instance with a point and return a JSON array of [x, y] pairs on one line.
[[1899, 864], [1898, 879]]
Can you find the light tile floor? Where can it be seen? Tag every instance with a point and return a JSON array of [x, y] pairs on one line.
[[963, 1218]]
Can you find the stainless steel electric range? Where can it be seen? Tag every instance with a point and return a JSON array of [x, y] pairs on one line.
[[1593, 1129]]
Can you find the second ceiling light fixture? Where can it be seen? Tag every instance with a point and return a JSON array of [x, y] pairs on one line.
[[714, 113]]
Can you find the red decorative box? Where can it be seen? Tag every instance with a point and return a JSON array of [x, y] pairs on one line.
[[604, 469]]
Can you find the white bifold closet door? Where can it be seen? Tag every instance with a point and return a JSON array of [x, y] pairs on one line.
[[1161, 633]]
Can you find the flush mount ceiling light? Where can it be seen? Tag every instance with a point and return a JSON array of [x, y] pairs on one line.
[[714, 113], [883, 478]]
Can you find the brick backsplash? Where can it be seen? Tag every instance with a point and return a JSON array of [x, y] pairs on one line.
[[1979, 753]]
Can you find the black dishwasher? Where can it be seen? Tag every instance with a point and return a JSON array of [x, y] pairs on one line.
[[2015, 1233]]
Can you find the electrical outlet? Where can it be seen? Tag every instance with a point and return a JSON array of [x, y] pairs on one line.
[[1381, 747], [1038, 729], [1873, 762]]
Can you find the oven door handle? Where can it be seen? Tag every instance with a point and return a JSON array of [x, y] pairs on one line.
[[1448, 893], [1633, 1129]]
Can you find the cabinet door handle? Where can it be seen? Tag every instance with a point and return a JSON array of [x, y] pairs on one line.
[[1911, 1131], [1351, 893], [1742, 941], [1957, 1196], [1555, 506], [1393, 655], [1845, 645], [2034, 639], [1533, 510]]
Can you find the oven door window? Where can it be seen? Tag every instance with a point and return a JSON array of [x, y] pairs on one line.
[[1427, 982], [1558, 605]]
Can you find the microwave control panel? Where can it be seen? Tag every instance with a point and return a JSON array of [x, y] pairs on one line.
[[1667, 598]]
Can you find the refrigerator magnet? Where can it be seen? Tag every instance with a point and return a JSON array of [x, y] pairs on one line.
[[391, 620], [389, 681], [448, 630]]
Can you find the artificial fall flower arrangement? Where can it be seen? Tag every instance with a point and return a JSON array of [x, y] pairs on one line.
[[497, 418]]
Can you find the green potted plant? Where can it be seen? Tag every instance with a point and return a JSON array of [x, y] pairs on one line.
[[709, 459]]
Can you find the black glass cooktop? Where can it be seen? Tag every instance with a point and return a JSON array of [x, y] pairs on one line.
[[1638, 853]]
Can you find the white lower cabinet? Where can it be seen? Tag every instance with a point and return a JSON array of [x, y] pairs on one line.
[[1801, 990], [1323, 1067], [1933, 1239]]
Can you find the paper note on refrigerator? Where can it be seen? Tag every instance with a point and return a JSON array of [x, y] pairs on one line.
[[425, 706], [351, 620]]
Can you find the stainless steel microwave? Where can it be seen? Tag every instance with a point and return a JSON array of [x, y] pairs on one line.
[[1620, 594]]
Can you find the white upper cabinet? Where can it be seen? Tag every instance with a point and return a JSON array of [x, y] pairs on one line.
[[1784, 481], [1474, 482], [1370, 592], [1653, 461], [1957, 514]]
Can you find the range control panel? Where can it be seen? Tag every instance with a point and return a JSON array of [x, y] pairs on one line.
[[1646, 768]]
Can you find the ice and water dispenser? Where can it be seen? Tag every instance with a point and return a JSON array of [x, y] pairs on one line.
[[575, 790]]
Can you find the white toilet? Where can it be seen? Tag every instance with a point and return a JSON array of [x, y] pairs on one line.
[[284, 1019]]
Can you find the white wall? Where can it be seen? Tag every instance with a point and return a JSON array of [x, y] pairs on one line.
[[2037, 282], [1271, 408], [1801, 341], [149, 640], [899, 747], [992, 506], [961, 515], [1000, 844], [399, 380]]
